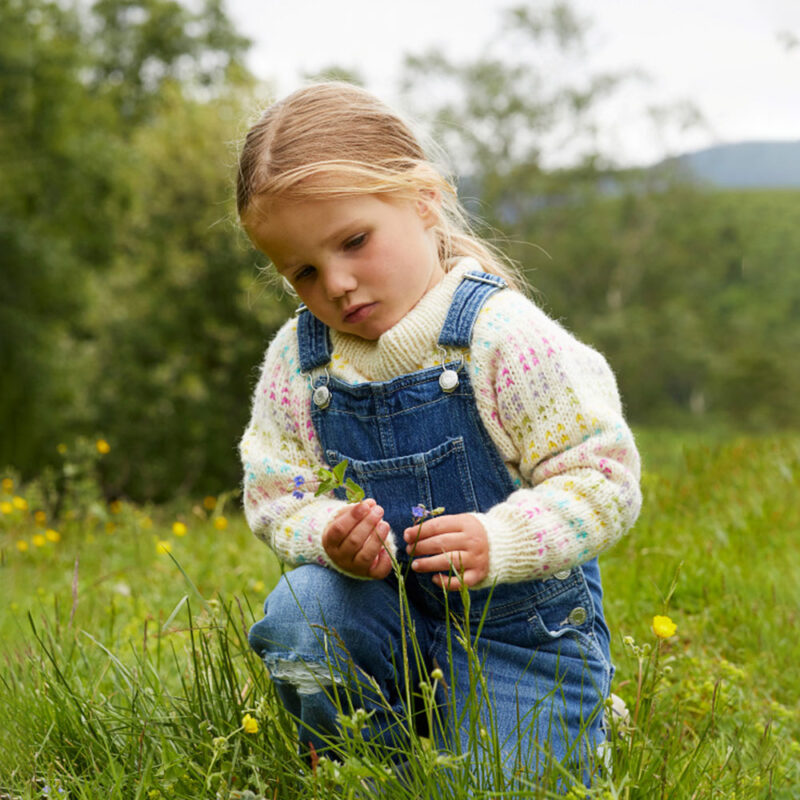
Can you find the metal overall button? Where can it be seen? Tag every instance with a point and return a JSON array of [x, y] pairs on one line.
[[562, 574], [322, 397], [322, 394], [448, 380], [577, 616]]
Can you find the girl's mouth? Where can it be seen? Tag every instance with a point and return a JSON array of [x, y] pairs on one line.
[[359, 312]]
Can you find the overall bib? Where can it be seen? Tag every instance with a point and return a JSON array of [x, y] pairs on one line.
[[543, 644]]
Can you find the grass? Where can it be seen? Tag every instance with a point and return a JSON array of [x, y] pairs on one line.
[[125, 670]]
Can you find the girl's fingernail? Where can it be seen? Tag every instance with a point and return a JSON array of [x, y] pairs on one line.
[[383, 527]]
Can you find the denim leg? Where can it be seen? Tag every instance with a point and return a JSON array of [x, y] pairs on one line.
[[535, 681], [333, 644]]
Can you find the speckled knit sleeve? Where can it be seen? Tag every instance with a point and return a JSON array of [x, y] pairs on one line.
[[278, 445], [552, 407]]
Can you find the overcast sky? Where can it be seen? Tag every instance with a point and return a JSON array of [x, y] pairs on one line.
[[738, 61]]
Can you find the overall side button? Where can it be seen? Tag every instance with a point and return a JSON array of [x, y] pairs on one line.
[[322, 397], [577, 616]]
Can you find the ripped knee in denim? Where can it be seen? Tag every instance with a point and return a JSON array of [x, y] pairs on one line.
[[306, 676]]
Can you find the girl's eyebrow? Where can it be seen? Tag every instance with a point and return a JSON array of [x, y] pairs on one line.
[[339, 232]]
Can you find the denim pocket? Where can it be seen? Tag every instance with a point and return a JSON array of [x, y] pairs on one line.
[[564, 620], [439, 477], [564, 608]]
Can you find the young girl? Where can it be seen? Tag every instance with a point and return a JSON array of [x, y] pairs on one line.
[[415, 357]]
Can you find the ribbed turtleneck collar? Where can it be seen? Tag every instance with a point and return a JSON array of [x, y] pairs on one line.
[[408, 345]]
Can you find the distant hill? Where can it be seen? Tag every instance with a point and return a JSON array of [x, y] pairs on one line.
[[745, 165]]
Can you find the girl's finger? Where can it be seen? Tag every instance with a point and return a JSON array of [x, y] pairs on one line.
[[441, 543], [381, 566], [430, 527], [444, 562], [344, 521], [371, 546], [367, 523], [452, 583]]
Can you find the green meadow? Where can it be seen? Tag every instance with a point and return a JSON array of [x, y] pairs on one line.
[[125, 670]]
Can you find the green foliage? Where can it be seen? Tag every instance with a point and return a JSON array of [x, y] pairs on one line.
[[692, 294], [179, 322], [141, 46], [334, 479], [129, 302]]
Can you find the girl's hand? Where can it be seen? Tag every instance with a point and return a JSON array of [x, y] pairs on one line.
[[354, 540], [454, 542]]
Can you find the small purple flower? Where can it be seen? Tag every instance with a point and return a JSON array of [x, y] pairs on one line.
[[299, 480], [298, 494], [419, 512]]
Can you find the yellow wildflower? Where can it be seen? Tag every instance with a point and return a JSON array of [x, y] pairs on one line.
[[163, 547], [146, 523], [20, 502], [103, 446], [115, 506], [250, 724], [663, 627], [220, 523], [39, 540], [209, 503], [111, 527], [6, 507], [62, 448], [22, 545], [179, 529], [52, 536], [40, 517], [8, 484]]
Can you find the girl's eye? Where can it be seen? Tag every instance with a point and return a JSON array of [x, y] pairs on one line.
[[355, 242], [303, 272]]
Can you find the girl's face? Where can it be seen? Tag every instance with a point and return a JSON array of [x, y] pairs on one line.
[[359, 263]]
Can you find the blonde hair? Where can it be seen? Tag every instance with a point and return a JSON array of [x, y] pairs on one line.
[[335, 139]]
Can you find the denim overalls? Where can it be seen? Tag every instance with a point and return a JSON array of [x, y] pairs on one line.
[[543, 644]]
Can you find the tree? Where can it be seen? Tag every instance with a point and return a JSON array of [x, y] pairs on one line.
[[124, 292], [181, 320], [641, 263]]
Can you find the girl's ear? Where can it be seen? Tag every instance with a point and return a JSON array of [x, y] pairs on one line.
[[429, 205]]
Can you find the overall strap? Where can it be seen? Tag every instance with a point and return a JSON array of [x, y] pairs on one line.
[[473, 291], [313, 340]]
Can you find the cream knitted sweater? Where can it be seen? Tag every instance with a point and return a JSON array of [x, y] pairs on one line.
[[549, 403]]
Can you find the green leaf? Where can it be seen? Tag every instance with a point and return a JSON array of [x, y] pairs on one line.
[[325, 486], [339, 470], [325, 474], [355, 494]]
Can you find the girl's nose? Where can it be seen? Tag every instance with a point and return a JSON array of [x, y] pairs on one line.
[[338, 281]]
